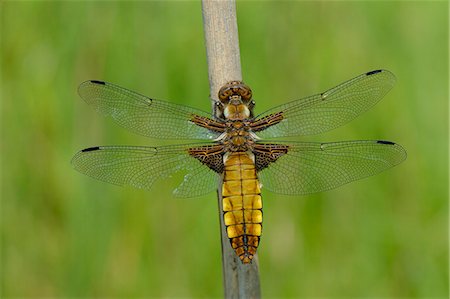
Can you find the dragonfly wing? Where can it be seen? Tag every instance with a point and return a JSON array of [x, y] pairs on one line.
[[328, 110], [141, 167], [197, 183], [314, 167], [142, 115]]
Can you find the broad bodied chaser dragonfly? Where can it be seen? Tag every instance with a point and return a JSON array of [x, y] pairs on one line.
[[235, 147]]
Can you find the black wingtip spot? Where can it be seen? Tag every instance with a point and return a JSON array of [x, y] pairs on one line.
[[373, 72], [385, 142], [98, 82], [90, 149]]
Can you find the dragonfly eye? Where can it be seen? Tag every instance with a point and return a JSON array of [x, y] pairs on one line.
[[225, 93], [245, 92], [235, 88]]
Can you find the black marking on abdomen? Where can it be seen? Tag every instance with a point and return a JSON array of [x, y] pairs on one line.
[[373, 72], [385, 142], [90, 149]]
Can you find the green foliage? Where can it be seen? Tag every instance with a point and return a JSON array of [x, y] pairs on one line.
[[66, 235]]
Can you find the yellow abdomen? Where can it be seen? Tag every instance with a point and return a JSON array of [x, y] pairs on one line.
[[242, 205]]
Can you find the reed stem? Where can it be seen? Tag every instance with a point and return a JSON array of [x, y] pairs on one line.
[[224, 65]]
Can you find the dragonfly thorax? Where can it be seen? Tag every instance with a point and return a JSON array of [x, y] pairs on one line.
[[238, 136], [238, 111]]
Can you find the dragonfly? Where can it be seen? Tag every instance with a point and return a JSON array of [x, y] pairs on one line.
[[238, 152]]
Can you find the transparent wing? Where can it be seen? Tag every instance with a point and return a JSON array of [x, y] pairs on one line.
[[142, 115], [333, 108], [141, 167], [315, 167]]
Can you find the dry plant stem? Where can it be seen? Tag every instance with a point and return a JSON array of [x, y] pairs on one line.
[[222, 43], [224, 65]]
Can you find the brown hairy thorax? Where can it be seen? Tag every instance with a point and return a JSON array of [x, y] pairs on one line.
[[234, 118]]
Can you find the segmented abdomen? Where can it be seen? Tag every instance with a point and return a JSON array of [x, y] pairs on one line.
[[242, 205]]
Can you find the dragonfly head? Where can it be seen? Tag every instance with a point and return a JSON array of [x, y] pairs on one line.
[[235, 101]]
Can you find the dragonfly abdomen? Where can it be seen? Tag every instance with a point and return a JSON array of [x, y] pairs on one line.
[[242, 205]]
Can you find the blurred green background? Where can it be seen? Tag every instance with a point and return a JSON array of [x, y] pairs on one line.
[[67, 235]]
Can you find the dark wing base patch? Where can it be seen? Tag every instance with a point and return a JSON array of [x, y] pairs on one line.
[[211, 156], [268, 153]]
